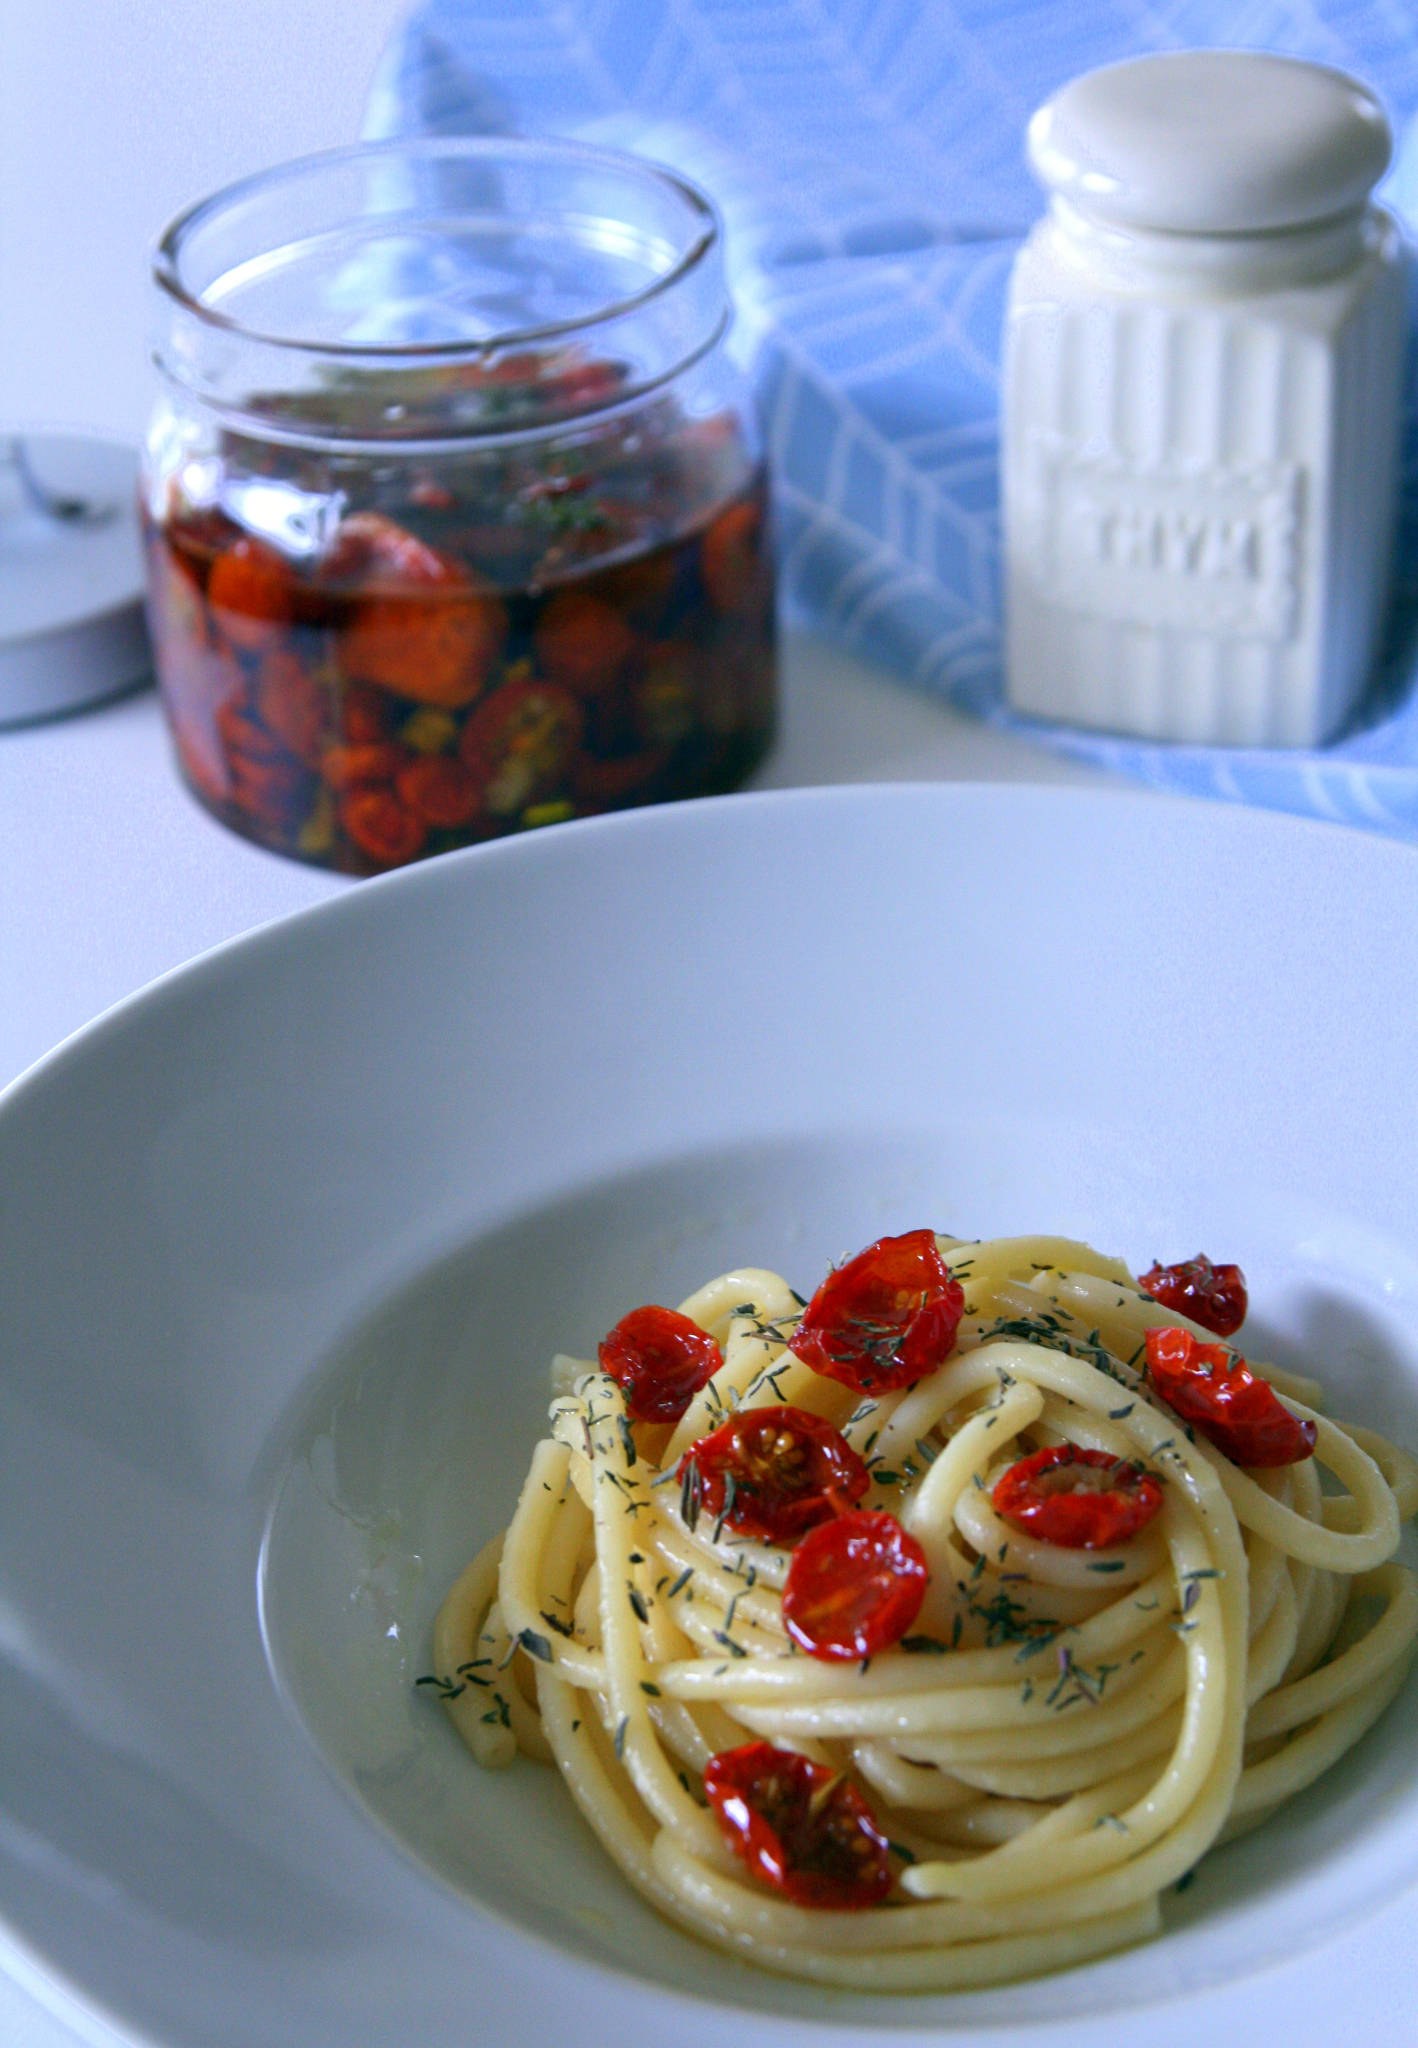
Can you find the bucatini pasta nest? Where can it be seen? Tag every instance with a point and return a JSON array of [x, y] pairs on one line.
[[921, 1636]]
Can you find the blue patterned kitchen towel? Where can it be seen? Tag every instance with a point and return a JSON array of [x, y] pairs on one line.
[[868, 158]]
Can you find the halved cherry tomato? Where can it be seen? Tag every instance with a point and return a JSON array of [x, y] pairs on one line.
[[854, 1586], [366, 714], [293, 704], [271, 792], [430, 495], [1078, 1499], [639, 586], [598, 784], [200, 673], [262, 779], [885, 1319], [252, 593], [433, 650], [516, 366], [243, 734], [582, 641], [439, 789], [800, 1826], [731, 558], [428, 629], [519, 742], [358, 766], [659, 1359], [1214, 1296], [774, 1472], [194, 535], [380, 826], [1212, 1388]]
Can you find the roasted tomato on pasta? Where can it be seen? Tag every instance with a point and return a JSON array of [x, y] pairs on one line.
[[1214, 1296], [862, 1624], [659, 1359], [854, 1587], [1216, 1392], [885, 1318], [801, 1827], [774, 1473], [1078, 1499]]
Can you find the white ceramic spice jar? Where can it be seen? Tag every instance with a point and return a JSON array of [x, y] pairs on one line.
[[1201, 407]]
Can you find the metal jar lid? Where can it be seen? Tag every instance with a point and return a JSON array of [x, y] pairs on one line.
[[71, 574]]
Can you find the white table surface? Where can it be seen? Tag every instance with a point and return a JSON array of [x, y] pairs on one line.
[[111, 118]]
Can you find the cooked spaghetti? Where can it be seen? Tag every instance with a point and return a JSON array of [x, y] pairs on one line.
[[921, 1636]]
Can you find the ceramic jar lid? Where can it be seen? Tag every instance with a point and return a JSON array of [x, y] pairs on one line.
[[1211, 142]]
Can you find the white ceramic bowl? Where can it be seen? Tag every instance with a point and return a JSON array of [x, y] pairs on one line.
[[287, 1242]]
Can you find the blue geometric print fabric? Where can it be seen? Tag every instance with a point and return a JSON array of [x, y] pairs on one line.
[[867, 156]]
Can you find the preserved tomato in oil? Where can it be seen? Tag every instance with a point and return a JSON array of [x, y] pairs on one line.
[[468, 645]]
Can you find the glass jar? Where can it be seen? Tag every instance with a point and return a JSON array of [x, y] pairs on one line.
[[455, 504]]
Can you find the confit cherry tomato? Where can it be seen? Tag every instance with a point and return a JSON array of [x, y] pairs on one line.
[[293, 704], [1214, 1296], [273, 793], [252, 593], [1214, 1390], [440, 790], [600, 784], [367, 715], [428, 629], [262, 779], [885, 1319], [383, 829], [774, 1472], [1077, 1499], [854, 1586], [360, 764], [731, 558], [519, 742], [639, 587], [799, 1826], [582, 641], [659, 1359], [200, 673]]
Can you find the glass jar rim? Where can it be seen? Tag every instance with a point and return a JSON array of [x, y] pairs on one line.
[[431, 151]]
